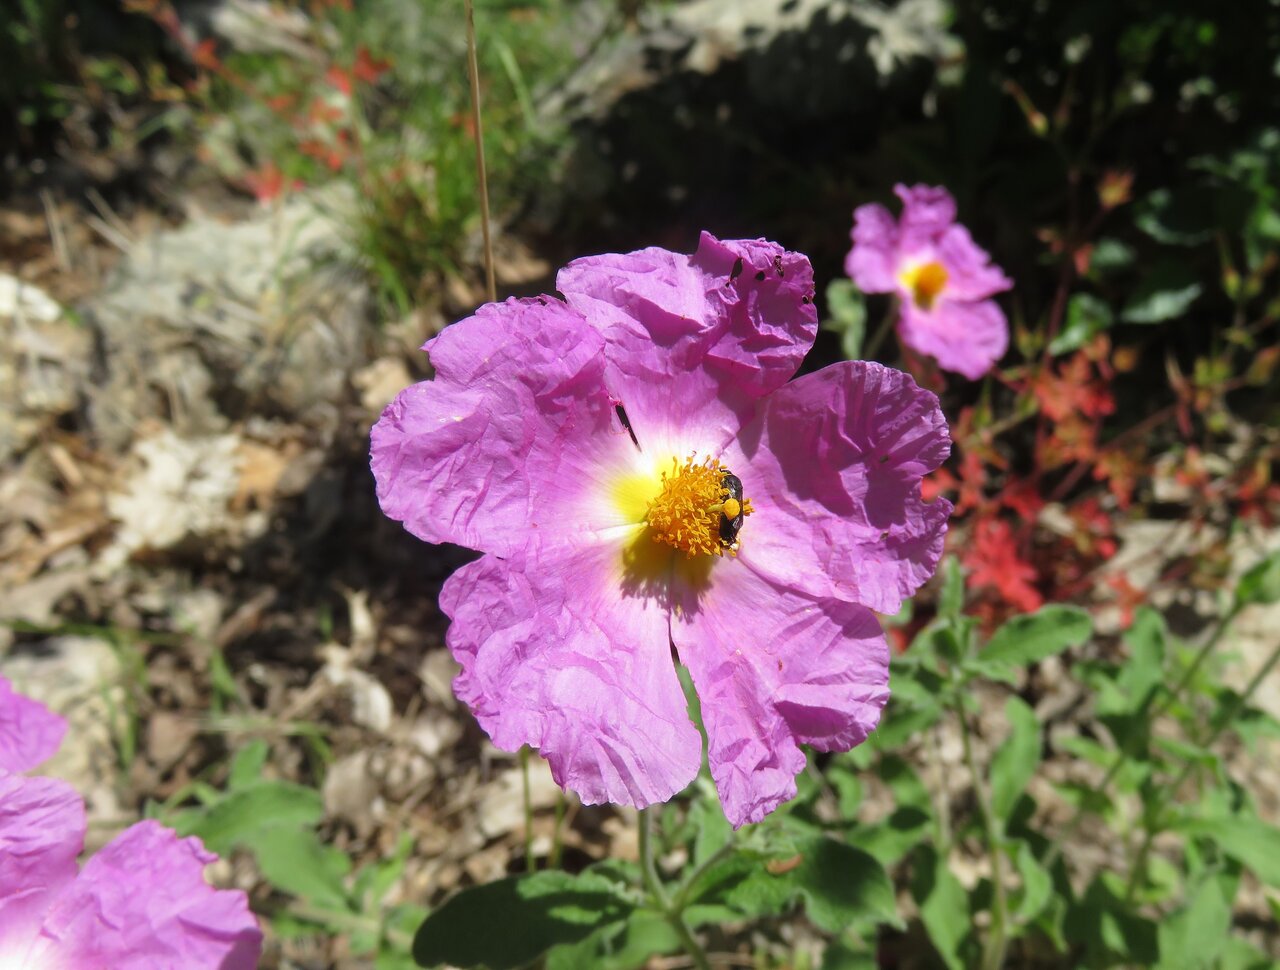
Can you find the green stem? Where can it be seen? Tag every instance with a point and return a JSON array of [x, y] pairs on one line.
[[943, 807], [882, 330], [993, 952], [530, 863], [1122, 756], [653, 883], [557, 833], [682, 896], [473, 69]]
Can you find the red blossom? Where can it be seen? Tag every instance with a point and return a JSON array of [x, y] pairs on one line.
[[993, 562], [1021, 497], [366, 69], [268, 182], [1073, 390], [205, 55], [340, 79]]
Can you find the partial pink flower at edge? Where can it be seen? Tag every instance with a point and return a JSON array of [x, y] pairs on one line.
[[141, 902], [30, 733], [943, 280], [564, 627]]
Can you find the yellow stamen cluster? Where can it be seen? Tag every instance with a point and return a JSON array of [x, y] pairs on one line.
[[686, 513], [925, 282]]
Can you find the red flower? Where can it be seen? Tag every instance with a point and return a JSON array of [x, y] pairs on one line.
[[366, 69], [266, 183], [993, 562]]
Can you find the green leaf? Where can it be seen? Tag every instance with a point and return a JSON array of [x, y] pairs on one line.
[[246, 767], [944, 906], [1250, 841], [902, 722], [840, 886], [1183, 217], [1238, 954], [1193, 936], [1087, 316], [1144, 671], [1031, 638], [624, 946], [847, 316], [1107, 929], [951, 599], [243, 813], [1110, 254], [1037, 885], [711, 829], [511, 922], [1016, 760], [1261, 584], [891, 839], [841, 956], [1164, 293], [296, 861]]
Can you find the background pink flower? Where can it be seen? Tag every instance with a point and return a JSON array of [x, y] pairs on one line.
[[30, 733], [552, 431], [943, 280], [141, 903]]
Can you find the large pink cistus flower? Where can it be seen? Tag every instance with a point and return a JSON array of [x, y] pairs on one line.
[[640, 475], [141, 903], [944, 282]]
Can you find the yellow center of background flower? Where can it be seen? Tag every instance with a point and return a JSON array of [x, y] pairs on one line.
[[925, 282], [686, 512]]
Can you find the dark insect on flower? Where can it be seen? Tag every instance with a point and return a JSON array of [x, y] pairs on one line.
[[731, 515]]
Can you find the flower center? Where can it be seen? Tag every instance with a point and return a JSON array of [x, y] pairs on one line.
[[700, 508], [925, 282]]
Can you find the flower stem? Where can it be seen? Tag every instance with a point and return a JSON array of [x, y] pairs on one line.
[[530, 862], [882, 330], [482, 177], [993, 952], [653, 883], [557, 833]]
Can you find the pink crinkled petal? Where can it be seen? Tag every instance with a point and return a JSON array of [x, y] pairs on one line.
[[512, 434], [561, 652], [970, 272], [141, 903], [967, 338], [832, 467], [694, 341], [927, 212], [30, 733], [41, 833], [872, 263], [775, 669]]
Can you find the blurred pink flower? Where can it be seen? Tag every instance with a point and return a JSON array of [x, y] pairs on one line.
[[141, 903], [30, 733], [944, 282], [584, 446]]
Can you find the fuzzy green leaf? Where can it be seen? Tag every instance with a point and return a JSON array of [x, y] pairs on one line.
[[511, 922], [1016, 760]]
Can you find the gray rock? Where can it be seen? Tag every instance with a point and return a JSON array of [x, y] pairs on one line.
[[210, 323], [786, 44]]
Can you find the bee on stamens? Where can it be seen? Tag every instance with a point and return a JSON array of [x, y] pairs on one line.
[[731, 513]]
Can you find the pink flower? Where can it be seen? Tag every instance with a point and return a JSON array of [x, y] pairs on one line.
[[943, 280], [30, 733], [141, 903], [584, 446]]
